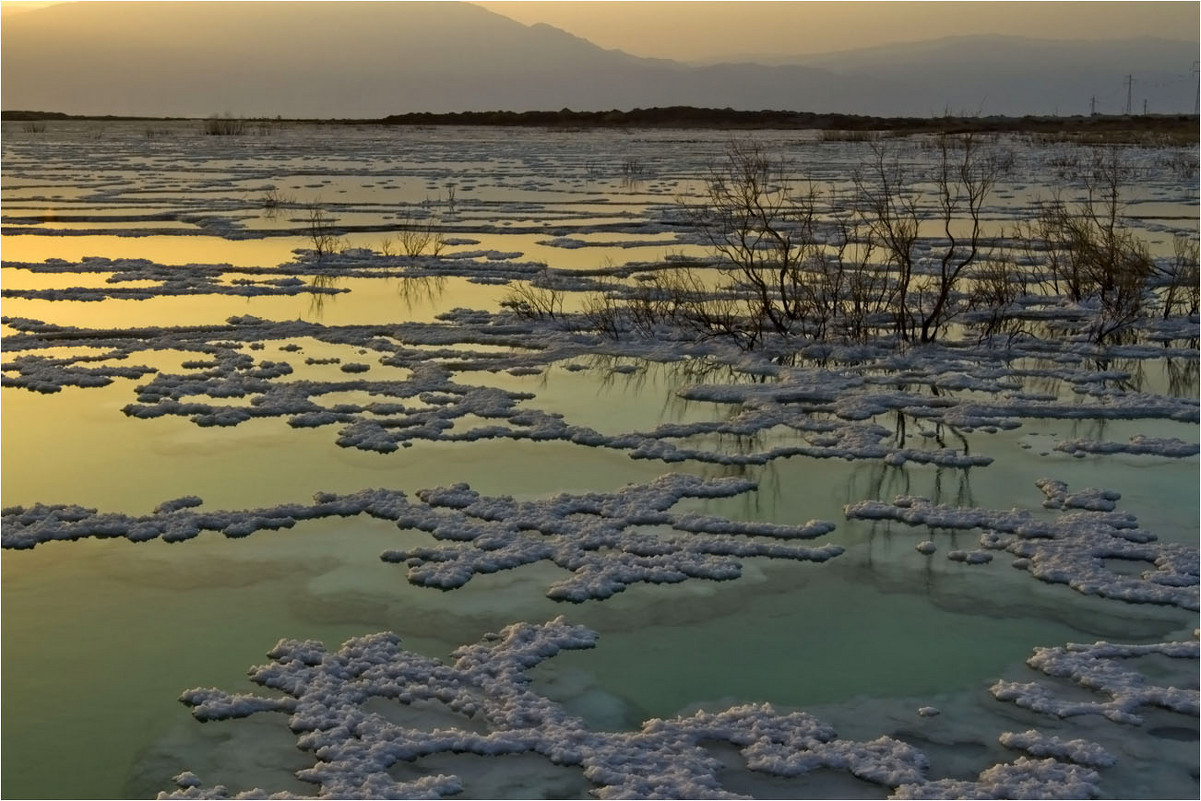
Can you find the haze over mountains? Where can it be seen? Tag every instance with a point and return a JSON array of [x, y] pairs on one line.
[[369, 60]]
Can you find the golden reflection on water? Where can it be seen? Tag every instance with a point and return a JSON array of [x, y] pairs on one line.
[[162, 249], [370, 302]]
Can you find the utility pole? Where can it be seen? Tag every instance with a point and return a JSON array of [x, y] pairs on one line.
[[1197, 72], [1092, 106], [1129, 92], [1144, 106]]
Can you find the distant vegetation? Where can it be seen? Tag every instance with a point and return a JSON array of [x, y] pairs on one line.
[[26, 116], [1097, 129], [1108, 127]]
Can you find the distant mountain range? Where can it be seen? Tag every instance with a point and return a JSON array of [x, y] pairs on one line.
[[369, 60]]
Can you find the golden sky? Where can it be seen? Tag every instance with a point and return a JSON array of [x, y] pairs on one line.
[[692, 30], [12, 6]]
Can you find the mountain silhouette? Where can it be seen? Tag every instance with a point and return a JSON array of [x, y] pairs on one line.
[[369, 60]]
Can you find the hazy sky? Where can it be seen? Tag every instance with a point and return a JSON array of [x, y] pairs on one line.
[[687, 30], [702, 30]]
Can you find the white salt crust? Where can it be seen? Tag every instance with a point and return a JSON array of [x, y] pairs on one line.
[[831, 412], [1071, 549], [598, 537], [323, 694], [1100, 668]]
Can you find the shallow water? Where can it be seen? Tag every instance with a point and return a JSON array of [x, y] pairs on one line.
[[101, 636]]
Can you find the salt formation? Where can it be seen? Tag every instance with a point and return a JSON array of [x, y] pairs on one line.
[[48, 375], [1023, 778], [1099, 668], [590, 535], [1072, 549], [831, 411], [600, 538], [187, 279], [1038, 744], [1138, 444], [325, 696]]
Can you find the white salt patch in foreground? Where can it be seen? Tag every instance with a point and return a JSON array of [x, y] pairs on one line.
[[358, 751]]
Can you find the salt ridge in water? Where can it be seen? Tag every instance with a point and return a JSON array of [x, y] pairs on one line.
[[324, 694]]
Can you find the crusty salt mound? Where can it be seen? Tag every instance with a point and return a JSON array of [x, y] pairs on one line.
[[329, 697], [1076, 548], [602, 539], [1105, 669]]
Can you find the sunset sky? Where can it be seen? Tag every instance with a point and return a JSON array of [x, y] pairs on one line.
[[687, 31]]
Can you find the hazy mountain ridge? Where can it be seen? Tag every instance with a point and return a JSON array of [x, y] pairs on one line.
[[958, 47], [370, 60]]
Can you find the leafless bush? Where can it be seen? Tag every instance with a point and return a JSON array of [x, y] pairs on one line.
[[805, 262], [925, 302], [225, 125], [680, 297], [1184, 164], [1089, 254], [534, 301], [997, 284], [273, 200], [843, 291], [892, 213], [633, 169], [604, 313], [324, 238], [1181, 278], [420, 235], [761, 230]]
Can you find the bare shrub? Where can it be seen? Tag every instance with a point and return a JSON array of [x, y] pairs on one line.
[[844, 291], [604, 313], [273, 200], [926, 301], [891, 211], [420, 235], [963, 184], [997, 284], [760, 229], [324, 238], [633, 171], [534, 301], [225, 125], [805, 261], [680, 297], [1088, 252], [1181, 278]]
